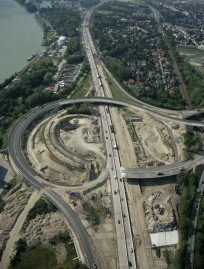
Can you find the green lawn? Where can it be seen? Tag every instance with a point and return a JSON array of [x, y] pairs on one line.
[[83, 87], [190, 53], [116, 92]]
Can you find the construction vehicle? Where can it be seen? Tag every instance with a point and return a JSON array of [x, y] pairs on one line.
[[72, 202]]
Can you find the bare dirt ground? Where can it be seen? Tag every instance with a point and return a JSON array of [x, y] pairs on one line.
[[44, 227], [102, 236], [84, 141], [153, 141], [154, 146], [136, 196], [15, 222], [82, 137]]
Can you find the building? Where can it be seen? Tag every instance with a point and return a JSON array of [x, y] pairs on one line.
[[62, 41]]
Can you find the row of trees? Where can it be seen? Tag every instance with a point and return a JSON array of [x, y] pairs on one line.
[[187, 185], [84, 108], [199, 242], [192, 143], [193, 79]]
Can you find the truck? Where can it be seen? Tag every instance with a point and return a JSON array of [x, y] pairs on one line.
[[72, 202]]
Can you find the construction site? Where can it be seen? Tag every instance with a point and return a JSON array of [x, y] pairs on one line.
[[69, 151]]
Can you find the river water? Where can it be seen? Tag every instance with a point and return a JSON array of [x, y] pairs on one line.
[[21, 36]]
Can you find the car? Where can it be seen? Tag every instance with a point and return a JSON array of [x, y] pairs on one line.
[[131, 250], [121, 179], [106, 137], [33, 111], [121, 199], [182, 169], [109, 155], [159, 173], [118, 221], [94, 266], [129, 263], [25, 118], [115, 177]]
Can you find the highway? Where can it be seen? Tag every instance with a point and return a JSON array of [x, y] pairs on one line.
[[113, 160], [122, 222], [126, 257]]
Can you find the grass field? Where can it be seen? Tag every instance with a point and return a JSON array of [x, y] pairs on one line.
[[83, 86], [190, 53], [116, 92]]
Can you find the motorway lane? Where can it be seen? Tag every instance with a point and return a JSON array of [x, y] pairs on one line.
[[111, 159]]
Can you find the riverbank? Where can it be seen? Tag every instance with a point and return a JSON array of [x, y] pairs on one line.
[[21, 36]]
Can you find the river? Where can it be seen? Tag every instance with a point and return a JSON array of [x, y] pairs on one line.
[[21, 36]]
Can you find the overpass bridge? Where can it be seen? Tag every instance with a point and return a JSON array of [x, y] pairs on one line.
[[163, 171], [112, 101]]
